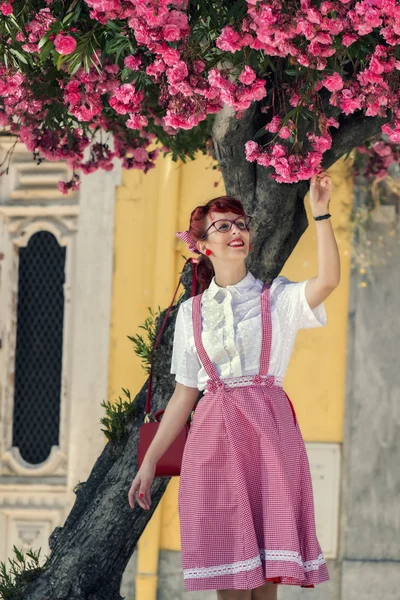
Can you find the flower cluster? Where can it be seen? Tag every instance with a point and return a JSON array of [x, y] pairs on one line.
[[377, 156], [148, 71], [6, 7], [84, 90], [35, 30]]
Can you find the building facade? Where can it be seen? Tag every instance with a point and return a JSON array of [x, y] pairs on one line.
[[77, 275]]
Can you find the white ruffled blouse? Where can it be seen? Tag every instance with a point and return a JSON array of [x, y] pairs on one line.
[[231, 329]]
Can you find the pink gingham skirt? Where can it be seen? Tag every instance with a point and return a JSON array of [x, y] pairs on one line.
[[245, 493]]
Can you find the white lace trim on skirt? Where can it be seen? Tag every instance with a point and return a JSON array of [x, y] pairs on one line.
[[252, 563]]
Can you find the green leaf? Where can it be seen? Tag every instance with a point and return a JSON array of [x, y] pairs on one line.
[[96, 66], [49, 47], [61, 58], [292, 72], [43, 40], [75, 68], [19, 55], [237, 11], [260, 133]]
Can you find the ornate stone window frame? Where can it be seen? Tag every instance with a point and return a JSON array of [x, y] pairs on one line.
[[84, 223]]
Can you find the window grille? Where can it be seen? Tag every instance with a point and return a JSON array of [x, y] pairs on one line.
[[39, 341]]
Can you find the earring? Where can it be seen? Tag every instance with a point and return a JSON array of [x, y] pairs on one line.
[[208, 252]]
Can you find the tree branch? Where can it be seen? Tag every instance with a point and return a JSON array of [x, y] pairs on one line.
[[354, 131], [278, 208]]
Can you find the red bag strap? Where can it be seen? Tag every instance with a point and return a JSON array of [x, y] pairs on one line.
[[192, 293]]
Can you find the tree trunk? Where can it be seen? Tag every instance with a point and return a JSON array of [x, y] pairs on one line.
[[90, 552]]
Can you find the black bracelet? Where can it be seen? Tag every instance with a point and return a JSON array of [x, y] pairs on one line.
[[322, 217]]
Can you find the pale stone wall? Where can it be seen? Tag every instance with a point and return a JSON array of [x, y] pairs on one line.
[[370, 529], [34, 499]]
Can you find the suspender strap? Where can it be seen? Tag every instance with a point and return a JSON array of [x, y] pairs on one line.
[[266, 321], [196, 319]]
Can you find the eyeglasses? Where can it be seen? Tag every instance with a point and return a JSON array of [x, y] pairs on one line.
[[225, 225]]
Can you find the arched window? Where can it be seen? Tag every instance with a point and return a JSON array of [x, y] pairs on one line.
[[39, 345]]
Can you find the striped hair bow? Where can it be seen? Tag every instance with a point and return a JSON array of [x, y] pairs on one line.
[[186, 237]]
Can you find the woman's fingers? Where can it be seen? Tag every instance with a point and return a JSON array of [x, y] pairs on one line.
[[143, 498], [148, 497], [139, 492], [140, 497], [132, 492]]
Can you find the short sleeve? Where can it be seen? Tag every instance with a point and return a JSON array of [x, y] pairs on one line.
[[185, 363], [291, 300]]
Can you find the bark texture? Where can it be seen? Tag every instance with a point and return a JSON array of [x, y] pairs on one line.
[[90, 552]]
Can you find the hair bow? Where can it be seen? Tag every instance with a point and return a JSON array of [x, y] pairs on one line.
[[186, 237]]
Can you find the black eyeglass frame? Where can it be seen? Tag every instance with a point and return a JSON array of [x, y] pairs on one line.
[[232, 221]]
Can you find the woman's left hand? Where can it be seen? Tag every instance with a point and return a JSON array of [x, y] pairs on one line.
[[320, 193]]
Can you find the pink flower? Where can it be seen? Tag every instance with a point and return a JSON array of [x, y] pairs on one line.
[[199, 66], [216, 79], [333, 82], [126, 99], [331, 122], [245, 96], [31, 48], [177, 73], [170, 56], [247, 76], [394, 134], [278, 151], [320, 143], [382, 148], [156, 68], [252, 150], [64, 44], [349, 104], [229, 40], [274, 125], [285, 133], [3, 119], [62, 186], [140, 155], [137, 122], [349, 38], [133, 62], [172, 33], [6, 9], [294, 99]]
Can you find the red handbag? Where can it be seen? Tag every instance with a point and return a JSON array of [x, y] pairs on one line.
[[169, 464]]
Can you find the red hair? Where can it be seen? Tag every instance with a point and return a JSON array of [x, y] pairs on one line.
[[198, 225]]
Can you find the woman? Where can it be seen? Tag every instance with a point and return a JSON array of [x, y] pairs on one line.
[[245, 494]]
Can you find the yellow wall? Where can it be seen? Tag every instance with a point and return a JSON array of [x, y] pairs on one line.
[[315, 380], [144, 263], [147, 260]]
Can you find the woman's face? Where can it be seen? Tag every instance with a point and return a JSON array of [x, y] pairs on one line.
[[226, 245]]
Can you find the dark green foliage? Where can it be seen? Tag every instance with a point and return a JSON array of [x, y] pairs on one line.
[[22, 569]]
